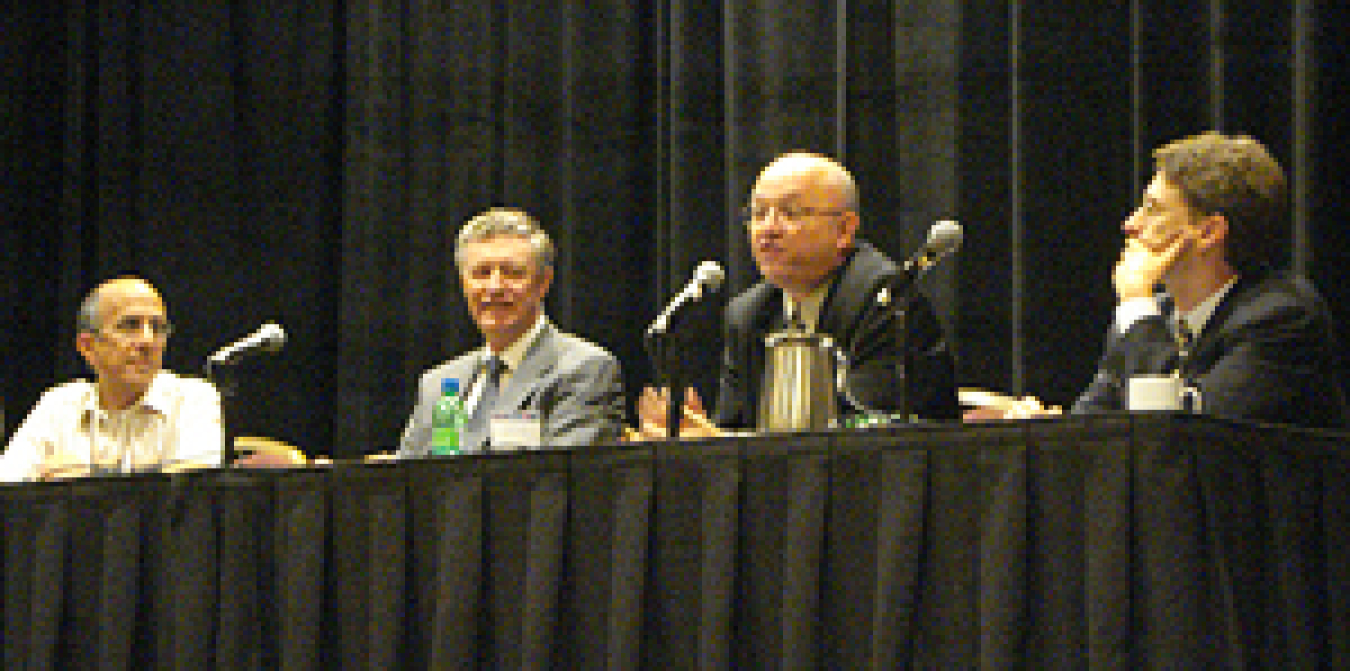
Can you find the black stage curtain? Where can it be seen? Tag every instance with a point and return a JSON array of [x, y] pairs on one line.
[[304, 162], [1101, 543]]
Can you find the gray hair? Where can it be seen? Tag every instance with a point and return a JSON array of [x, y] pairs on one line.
[[89, 318], [86, 320], [505, 221]]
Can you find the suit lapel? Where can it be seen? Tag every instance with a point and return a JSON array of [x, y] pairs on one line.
[[539, 361], [1203, 347], [842, 301], [857, 282]]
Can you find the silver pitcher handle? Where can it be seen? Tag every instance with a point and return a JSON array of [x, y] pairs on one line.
[[841, 368]]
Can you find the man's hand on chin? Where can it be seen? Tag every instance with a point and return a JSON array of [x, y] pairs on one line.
[[1141, 267]]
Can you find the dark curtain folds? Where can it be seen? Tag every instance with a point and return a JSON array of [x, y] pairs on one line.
[[306, 162]]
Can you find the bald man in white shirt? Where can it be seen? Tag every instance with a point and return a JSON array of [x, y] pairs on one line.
[[135, 416]]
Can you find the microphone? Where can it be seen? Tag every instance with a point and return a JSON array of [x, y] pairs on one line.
[[943, 239], [708, 277], [269, 337]]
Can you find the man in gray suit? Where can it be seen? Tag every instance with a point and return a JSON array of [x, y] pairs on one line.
[[527, 369]]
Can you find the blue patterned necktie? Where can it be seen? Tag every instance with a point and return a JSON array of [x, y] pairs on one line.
[[478, 427]]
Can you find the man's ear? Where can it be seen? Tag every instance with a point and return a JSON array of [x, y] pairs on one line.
[[1212, 231], [84, 344], [848, 229], [547, 278]]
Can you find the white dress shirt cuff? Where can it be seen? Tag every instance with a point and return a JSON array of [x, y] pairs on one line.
[[1130, 311]]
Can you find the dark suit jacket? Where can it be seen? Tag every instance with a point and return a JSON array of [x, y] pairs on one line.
[[866, 330], [573, 384], [1268, 353]]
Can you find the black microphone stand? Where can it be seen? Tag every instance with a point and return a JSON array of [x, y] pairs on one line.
[[663, 350], [222, 376], [675, 383], [901, 313]]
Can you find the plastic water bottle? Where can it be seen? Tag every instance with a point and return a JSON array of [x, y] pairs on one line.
[[447, 419]]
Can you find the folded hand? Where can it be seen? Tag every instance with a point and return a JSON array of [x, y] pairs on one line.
[[652, 409]]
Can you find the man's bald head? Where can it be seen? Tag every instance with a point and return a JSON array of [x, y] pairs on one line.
[[89, 318], [818, 170]]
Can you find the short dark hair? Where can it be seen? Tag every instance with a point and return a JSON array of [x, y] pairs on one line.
[[1234, 176], [505, 221]]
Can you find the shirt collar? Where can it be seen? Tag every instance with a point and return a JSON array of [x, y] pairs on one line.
[[515, 353], [155, 399], [1200, 314], [808, 308]]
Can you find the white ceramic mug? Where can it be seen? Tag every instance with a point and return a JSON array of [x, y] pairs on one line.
[[1168, 393], [1161, 392]]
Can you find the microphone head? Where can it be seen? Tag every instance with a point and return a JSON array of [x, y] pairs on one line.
[[710, 275], [944, 237], [271, 337]]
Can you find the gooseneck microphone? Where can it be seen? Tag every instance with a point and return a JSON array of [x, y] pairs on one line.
[[663, 349], [220, 370], [708, 278], [943, 238], [894, 293], [269, 337]]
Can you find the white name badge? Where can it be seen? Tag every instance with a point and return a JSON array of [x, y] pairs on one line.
[[515, 430]]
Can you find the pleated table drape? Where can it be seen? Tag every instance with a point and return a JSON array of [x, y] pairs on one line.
[[1112, 542]]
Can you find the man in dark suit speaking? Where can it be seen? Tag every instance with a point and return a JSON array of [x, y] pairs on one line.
[[527, 368], [803, 224], [1256, 343]]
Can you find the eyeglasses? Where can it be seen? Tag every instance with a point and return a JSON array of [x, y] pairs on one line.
[[131, 326], [758, 215]]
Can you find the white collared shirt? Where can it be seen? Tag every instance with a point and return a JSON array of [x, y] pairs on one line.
[[1200, 314], [177, 422]]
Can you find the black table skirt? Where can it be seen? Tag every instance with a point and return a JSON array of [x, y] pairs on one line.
[[1110, 542]]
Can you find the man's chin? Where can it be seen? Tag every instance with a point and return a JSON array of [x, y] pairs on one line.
[[784, 280], [140, 377], [495, 329], [489, 324]]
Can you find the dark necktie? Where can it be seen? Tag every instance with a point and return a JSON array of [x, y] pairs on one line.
[[793, 319], [480, 421], [1182, 333]]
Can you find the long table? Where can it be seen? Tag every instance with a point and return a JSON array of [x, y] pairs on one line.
[[1111, 542]]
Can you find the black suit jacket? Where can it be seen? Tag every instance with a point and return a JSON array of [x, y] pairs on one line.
[[1268, 353], [866, 330]]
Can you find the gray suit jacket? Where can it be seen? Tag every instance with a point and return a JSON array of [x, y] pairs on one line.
[[573, 384]]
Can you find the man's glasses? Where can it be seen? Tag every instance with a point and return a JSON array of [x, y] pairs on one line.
[[758, 215], [131, 327]]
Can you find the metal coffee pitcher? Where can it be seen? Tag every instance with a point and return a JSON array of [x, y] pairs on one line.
[[798, 390]]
